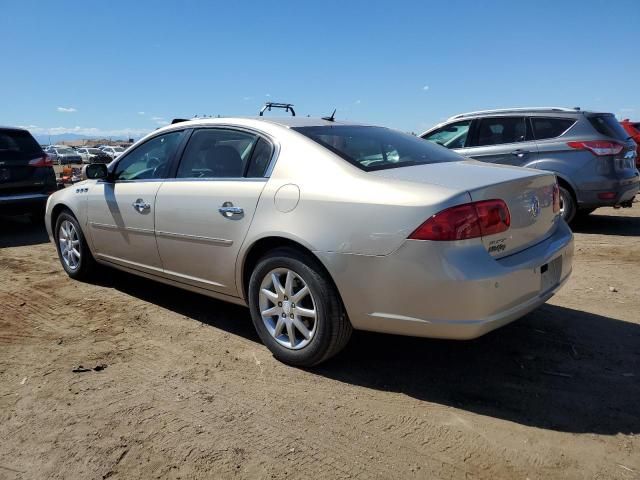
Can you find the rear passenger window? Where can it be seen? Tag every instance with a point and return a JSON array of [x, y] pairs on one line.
[[550, 127], [260, 159], [608, 125], [216, 153], [499, 130]]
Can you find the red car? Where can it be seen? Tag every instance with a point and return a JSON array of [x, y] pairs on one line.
[[633, 129]]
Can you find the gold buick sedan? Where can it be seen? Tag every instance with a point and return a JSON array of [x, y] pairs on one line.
[[321, 227]]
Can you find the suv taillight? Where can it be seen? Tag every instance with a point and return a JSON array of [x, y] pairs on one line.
[[556, 198], [462, 222], [43, 161], [598, 147]]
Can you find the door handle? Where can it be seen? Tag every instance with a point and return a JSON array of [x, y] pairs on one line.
[[229, 211], [520, 153], [141, 206]]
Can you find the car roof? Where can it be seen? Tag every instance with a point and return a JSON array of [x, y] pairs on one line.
[[2, 127], [288, 122], [527, 110]]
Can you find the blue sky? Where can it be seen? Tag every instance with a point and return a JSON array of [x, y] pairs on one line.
[[113, 67]]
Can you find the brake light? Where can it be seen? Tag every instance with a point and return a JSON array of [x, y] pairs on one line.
[[598, 147], [556, 198], [43, 161], [462, 222]]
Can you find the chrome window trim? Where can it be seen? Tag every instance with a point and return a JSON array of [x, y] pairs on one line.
[[226, 126], [116, 161], [211, 179]]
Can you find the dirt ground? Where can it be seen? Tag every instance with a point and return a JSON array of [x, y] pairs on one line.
[[189, 392]]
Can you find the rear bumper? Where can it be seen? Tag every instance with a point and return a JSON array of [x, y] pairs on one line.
[[451, 290], [624, 191], [22, 203]]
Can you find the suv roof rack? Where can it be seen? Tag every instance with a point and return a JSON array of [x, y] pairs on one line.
[[516, 110], [288, 107]]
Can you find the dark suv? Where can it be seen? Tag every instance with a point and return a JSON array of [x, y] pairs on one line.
[[26, 174], [590, 153]]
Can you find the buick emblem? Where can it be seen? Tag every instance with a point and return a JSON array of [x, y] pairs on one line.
[[534, 207]]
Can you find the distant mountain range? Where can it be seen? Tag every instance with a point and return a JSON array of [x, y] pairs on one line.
[[68, 137]]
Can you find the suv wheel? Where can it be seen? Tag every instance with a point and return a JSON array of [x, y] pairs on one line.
[[73, 251], [296, 310], [568, 205]]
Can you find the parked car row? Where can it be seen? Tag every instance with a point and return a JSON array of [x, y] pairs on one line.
[[592, 155], [65, 155]]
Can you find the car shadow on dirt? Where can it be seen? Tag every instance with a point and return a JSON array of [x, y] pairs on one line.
[[608, 225], [557, 369], [226, 316], [19, 231]]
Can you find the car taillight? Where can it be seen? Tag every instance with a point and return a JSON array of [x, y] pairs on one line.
[[556, 198], [43, 161], [598, 147], [462, 222]]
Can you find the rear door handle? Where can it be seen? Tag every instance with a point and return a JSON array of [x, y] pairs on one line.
[[229, 211], [141, 206], [520, 153]]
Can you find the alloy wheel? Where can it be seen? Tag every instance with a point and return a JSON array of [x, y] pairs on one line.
[[69, 242], [287, 308]]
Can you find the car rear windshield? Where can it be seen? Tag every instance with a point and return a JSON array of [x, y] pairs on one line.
[[377, 148], [18, 145], [609, 126]]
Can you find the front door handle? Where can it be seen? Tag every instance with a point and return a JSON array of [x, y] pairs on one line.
[[520, 153], [229, 211], [141, 206]]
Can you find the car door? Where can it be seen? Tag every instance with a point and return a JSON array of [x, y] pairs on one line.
[[121, 210], [505, 139], [203, 215]]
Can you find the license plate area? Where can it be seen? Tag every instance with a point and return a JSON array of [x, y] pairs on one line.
[[550, 274]]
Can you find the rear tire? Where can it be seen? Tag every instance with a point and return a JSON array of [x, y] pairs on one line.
[[305, 334], [568, 206], [73, 251]]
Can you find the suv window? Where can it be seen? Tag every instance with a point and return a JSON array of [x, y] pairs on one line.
[[550, 127], [608, 125], [500, 130], [453, 135], [216, 153], [18, 145], [150, 160]]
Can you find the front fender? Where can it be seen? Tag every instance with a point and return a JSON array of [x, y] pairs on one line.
[[73, 198]]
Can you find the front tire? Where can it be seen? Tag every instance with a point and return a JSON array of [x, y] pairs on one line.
[[73, 251], [296, 309]]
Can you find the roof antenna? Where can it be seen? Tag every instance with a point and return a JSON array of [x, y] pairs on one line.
[[332, 118]]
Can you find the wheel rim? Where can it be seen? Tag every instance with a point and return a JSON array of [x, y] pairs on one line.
[[287, 308], [565, 204], [69, 242]]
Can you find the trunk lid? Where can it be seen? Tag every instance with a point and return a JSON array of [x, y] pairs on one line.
[[527, 193]]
